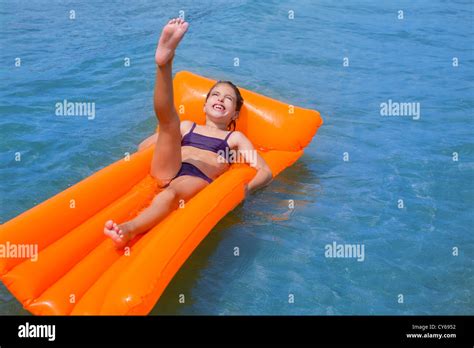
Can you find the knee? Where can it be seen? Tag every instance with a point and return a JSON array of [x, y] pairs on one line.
[[170, 124], [171, 193], [162, 183]]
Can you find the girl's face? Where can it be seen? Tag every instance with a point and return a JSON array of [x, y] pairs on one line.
[[221, 104]]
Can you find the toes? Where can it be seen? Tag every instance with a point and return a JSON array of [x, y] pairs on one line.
[[117, 230], [115, 237], [109, 228], [177, 21], [109, 233], [113, 231]]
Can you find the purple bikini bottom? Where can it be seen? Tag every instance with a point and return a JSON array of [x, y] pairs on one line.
[[189, 169]]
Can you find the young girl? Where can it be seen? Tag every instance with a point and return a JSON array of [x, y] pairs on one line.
[[186, 157]]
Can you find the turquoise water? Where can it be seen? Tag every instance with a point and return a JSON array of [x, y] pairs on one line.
[[408, 251]]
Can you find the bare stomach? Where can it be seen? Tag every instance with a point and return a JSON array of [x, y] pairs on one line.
[[207, 161]]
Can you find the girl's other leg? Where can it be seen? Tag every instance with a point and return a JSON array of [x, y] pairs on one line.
[[178, 192]]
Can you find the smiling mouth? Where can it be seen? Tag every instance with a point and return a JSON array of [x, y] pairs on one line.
[[218, 107]]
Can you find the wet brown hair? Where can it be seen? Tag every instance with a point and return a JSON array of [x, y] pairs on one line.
[[239, 101]]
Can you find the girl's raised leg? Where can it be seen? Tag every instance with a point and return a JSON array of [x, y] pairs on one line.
[[167, 155]]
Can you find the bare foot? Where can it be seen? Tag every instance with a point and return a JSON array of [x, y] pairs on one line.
[[171, 35], [120, 235]]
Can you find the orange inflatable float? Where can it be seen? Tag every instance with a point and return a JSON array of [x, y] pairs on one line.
[[77, 271]]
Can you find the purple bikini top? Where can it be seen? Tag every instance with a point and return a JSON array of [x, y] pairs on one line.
[[204, 142]]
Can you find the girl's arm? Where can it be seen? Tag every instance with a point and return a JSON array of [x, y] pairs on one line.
[[246, 150]]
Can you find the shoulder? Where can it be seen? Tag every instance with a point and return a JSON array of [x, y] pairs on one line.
[[238, 135], [239, 139], [233, 136], [186, 126]]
